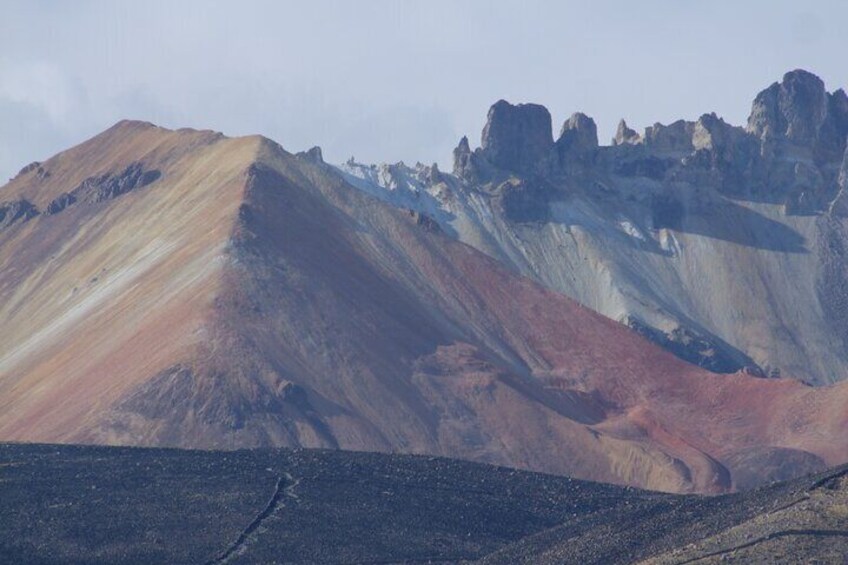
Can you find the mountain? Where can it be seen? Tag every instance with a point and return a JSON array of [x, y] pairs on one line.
[[724, 245], [322, 506], [181, 288]]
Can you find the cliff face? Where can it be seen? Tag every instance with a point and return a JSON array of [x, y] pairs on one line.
[[720, 243], [198, 291]]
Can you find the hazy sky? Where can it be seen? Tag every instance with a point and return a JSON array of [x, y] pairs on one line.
[[391, 80]]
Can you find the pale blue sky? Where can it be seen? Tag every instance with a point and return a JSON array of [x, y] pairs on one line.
[[391, 80]]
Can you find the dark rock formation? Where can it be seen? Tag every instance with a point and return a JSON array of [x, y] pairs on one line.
[[798, 112], [463, 165], [578, 141], [60, 203], [16, 212], [313, 155], [675, 138], [793, 109], [108, 186], [29, 168], [517, 138], [37, 167], [524, 201], [424, 221], [706, 351]]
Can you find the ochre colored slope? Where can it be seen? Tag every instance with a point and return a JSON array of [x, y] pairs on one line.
[[249, 297], [99, 296]]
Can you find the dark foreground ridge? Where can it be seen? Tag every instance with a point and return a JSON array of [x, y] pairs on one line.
[[72, 504]]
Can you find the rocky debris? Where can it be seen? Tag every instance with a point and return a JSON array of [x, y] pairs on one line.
[[801, 521], [625, 135], [66, 503], [753, 467], [15, 212], [84, 504], [517, 137]]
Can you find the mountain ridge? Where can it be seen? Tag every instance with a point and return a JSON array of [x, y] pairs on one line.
[[247, 296], [651, 230]]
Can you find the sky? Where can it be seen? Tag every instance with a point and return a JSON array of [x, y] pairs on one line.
[[384, 80]]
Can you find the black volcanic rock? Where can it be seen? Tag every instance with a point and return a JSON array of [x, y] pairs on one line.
[[71, 504], [88, 504], [517, 138]]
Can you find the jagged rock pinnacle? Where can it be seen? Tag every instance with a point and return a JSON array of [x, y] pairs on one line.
[[624, 134]]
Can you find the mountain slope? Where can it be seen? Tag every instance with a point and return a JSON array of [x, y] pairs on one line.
[[66, 504], [725, 245], [185, 289], [800, 521]]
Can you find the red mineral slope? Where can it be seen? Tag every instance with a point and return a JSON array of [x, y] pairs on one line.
[[193, 290]]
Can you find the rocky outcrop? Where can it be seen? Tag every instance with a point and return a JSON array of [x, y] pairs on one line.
[[704, 351], [60, 203], [675, 138], [37, 167], [313, 155], [107, 186], [523, 201], [793, 109], [104, 187], [15, 212], [517, 138], [798, 113], [578, 141]]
